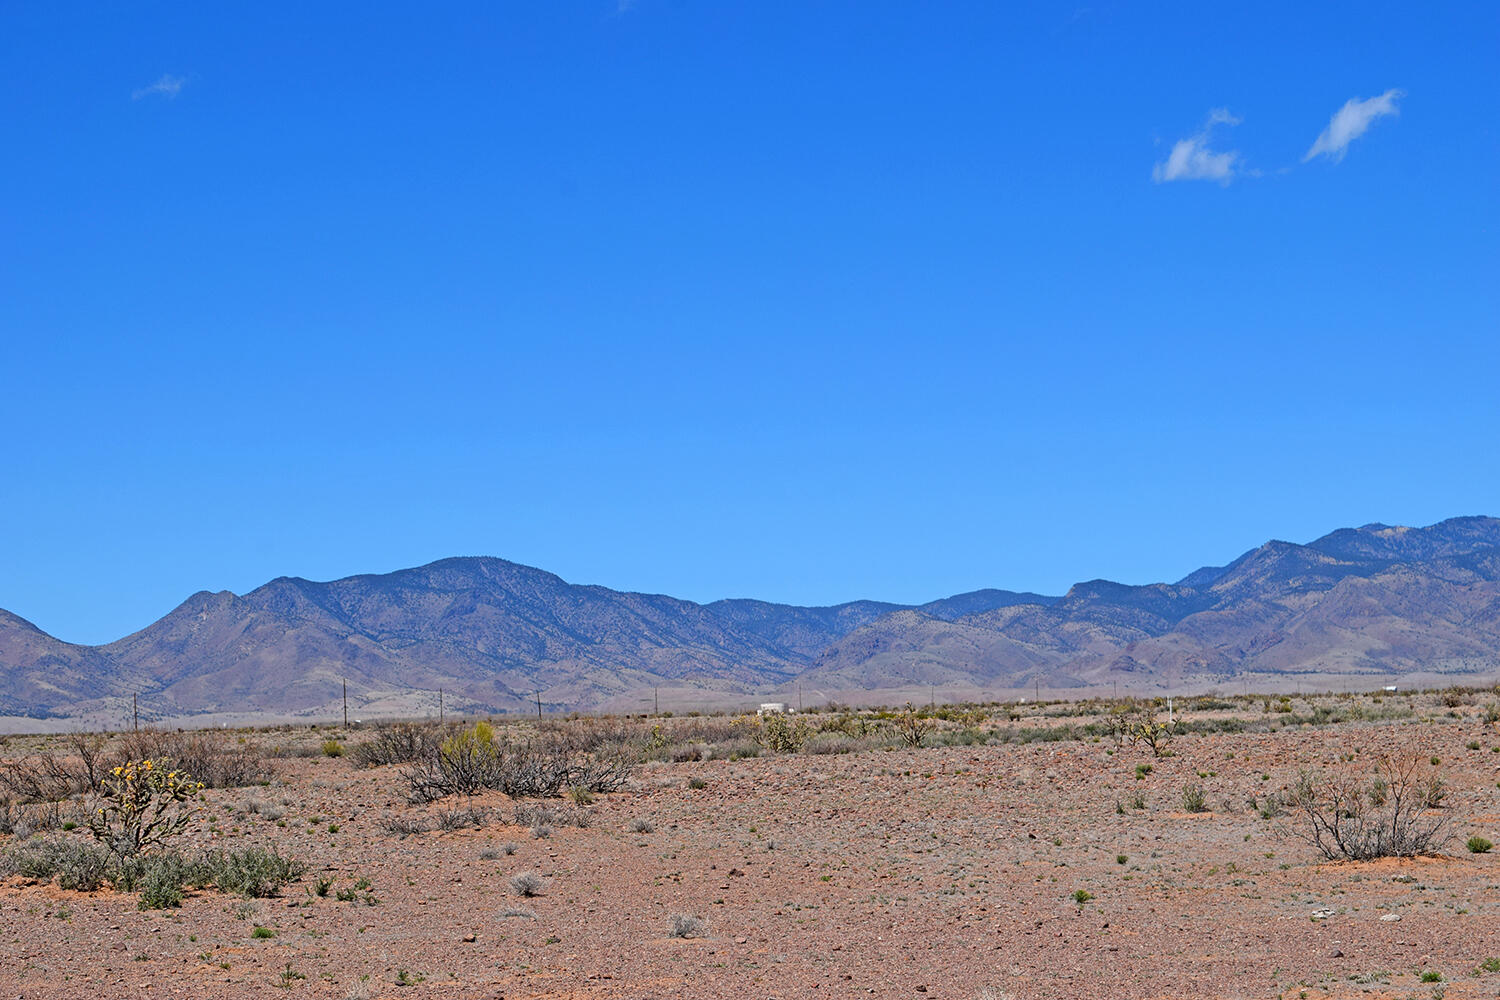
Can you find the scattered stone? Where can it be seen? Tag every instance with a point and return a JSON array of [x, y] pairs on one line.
[[1390, 917]]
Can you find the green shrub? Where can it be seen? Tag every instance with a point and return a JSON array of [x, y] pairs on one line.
[[1478, 845], [253, 871], [333, 748], [83, 867]]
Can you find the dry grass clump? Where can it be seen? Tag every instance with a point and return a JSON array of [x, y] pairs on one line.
[[683, 925], [527, 884]]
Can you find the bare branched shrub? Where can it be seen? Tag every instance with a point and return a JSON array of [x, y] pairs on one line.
[[208, 757], [913, 727], [40, 778], [400, 743], [473, 760], [405, 826], [457, 819], [1339, 816]]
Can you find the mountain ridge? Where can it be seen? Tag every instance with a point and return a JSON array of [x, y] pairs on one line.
[[1378, 600]]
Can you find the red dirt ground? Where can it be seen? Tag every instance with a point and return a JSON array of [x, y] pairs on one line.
[[942, 872]]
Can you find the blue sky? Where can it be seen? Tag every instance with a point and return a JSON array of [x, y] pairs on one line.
[[806, 302]]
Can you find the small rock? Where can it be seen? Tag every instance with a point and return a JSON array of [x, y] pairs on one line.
[[1403, 878], [1336, 953], [1322, 914], [1390, 917], [470, 938]]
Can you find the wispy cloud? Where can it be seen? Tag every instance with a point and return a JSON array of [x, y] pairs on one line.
[[1191, 159], [168, 86], [1352, 121]]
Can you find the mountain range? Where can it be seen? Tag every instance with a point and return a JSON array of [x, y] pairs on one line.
[[1360, 607]]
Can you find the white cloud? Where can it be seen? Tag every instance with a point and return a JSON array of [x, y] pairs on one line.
[[168, 86], [1192, 160], [1350, 122]]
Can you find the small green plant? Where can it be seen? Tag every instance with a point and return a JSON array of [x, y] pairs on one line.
[[1120, 859], [1432, 976], [333, 748], [1194, 799], [1491, 964], [581, 796], [1478, 845], [1141, 770], [261, 933], [288, 976], [697, 783], [1082, 896]]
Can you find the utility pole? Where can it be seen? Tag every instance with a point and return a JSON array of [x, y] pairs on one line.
[[1038, 690], [440, 706], [539, 706], [656, 700], [799, 698], [346, 703], [135, 711]]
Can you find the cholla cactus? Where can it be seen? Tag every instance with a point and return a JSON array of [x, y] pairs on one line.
[[141, 804], [1156, 735]]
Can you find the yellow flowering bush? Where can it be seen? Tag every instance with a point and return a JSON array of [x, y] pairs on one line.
[[141, 804]]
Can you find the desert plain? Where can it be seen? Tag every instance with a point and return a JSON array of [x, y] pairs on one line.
[[1019, 851]]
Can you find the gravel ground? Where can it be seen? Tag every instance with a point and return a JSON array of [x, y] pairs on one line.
[[941, 872]]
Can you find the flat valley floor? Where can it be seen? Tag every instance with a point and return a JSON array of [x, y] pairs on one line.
[[1041, 869]]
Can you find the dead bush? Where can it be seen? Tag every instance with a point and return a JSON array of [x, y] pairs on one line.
[[1345, 818], [208, 757], [400, 743]]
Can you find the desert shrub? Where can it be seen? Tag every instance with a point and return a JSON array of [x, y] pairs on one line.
[[400, 743], [333, 748], [511, 912], [1478, 845], [527, 884], [83, 867], [405, 826], [40, 778], [642, 825], [682, 925], [830, 743], [1157, 736], [1336, 814], [457, 819], [780, 734], [161, 880], [473, 760], [141, 804], [737, 749], [36, 859], [266, 810], [1194, 799], [912, 727], [253, 871], [535, 814], [208, 757]]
